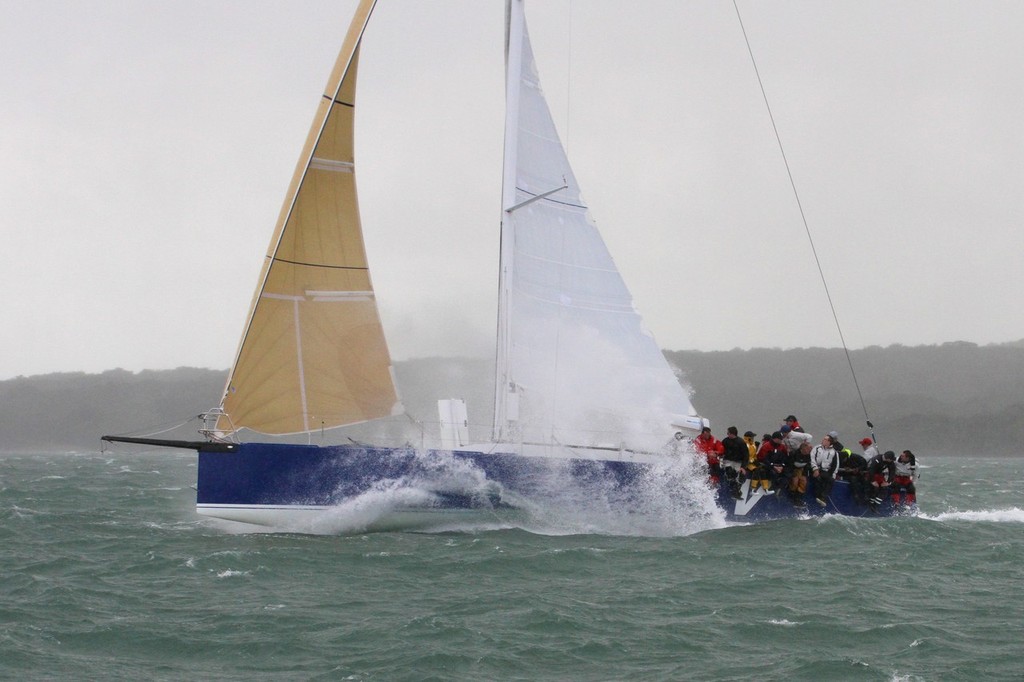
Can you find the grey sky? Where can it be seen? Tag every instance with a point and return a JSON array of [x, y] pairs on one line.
[[146, 148]]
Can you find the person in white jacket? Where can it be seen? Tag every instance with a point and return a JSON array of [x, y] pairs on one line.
[[870, 449], [824, 462], [794, 439], [903, 481]]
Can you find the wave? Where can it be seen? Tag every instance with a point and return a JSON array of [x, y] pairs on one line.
[[230, 573], [784, 622]]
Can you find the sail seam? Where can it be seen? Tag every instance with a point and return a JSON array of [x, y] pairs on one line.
[[338, 101], [302, 372], [319, 265]]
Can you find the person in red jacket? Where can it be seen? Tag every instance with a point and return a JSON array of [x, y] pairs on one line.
[[792, 422], [711, 448]]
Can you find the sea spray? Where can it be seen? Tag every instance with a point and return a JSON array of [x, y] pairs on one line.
[[669, 497], [413, 501]]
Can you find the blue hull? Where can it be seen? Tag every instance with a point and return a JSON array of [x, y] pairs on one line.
[[265, 483], [779, 505]]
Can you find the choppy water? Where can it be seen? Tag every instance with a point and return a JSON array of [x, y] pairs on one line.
[[106, 573]]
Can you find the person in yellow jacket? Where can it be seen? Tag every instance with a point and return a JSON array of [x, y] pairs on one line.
[[752, 468]]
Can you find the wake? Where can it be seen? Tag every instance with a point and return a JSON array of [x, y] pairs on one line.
[[1014, 515]]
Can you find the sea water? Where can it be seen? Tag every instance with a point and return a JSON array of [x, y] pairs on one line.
[[106, 573]]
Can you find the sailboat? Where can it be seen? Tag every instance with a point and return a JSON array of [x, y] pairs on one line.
[[583, 394]]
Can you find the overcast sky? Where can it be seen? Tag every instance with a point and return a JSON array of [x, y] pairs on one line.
[[145, 149]]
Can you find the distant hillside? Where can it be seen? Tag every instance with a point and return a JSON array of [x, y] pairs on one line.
[[957, 398], [70, 411]]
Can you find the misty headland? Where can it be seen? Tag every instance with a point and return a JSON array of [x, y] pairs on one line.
[[952, 399]]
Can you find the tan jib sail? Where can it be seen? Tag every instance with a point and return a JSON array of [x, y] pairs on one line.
[[313, 353]]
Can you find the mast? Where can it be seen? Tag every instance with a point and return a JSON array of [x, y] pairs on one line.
[[504, 393]]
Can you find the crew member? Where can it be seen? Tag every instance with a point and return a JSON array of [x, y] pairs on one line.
[[903, 480], [794, 439], [854, 471], [752, 467], [836, 445], [881, 471], [792, 423], [774, 458], [799, 460], [870, 449], [824, 463], [711, 448], [734, 456]]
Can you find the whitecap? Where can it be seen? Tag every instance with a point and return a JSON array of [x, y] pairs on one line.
[[231, 574]]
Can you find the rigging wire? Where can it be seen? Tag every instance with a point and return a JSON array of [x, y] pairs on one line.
[[155, 430], [568, 82], [160, 429], [803, 218]]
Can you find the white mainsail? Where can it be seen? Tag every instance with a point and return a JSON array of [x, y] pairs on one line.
[[313, 353], [576, 365]]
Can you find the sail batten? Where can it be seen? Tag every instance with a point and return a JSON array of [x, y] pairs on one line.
[[331, 165], [313, 353]]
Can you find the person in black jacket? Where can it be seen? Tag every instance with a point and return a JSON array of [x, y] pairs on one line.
[[734, 456], [854, 471], [775, 459], [881, 471], [734, 451]]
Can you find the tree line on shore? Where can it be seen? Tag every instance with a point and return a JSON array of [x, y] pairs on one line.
[[951, 399]]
